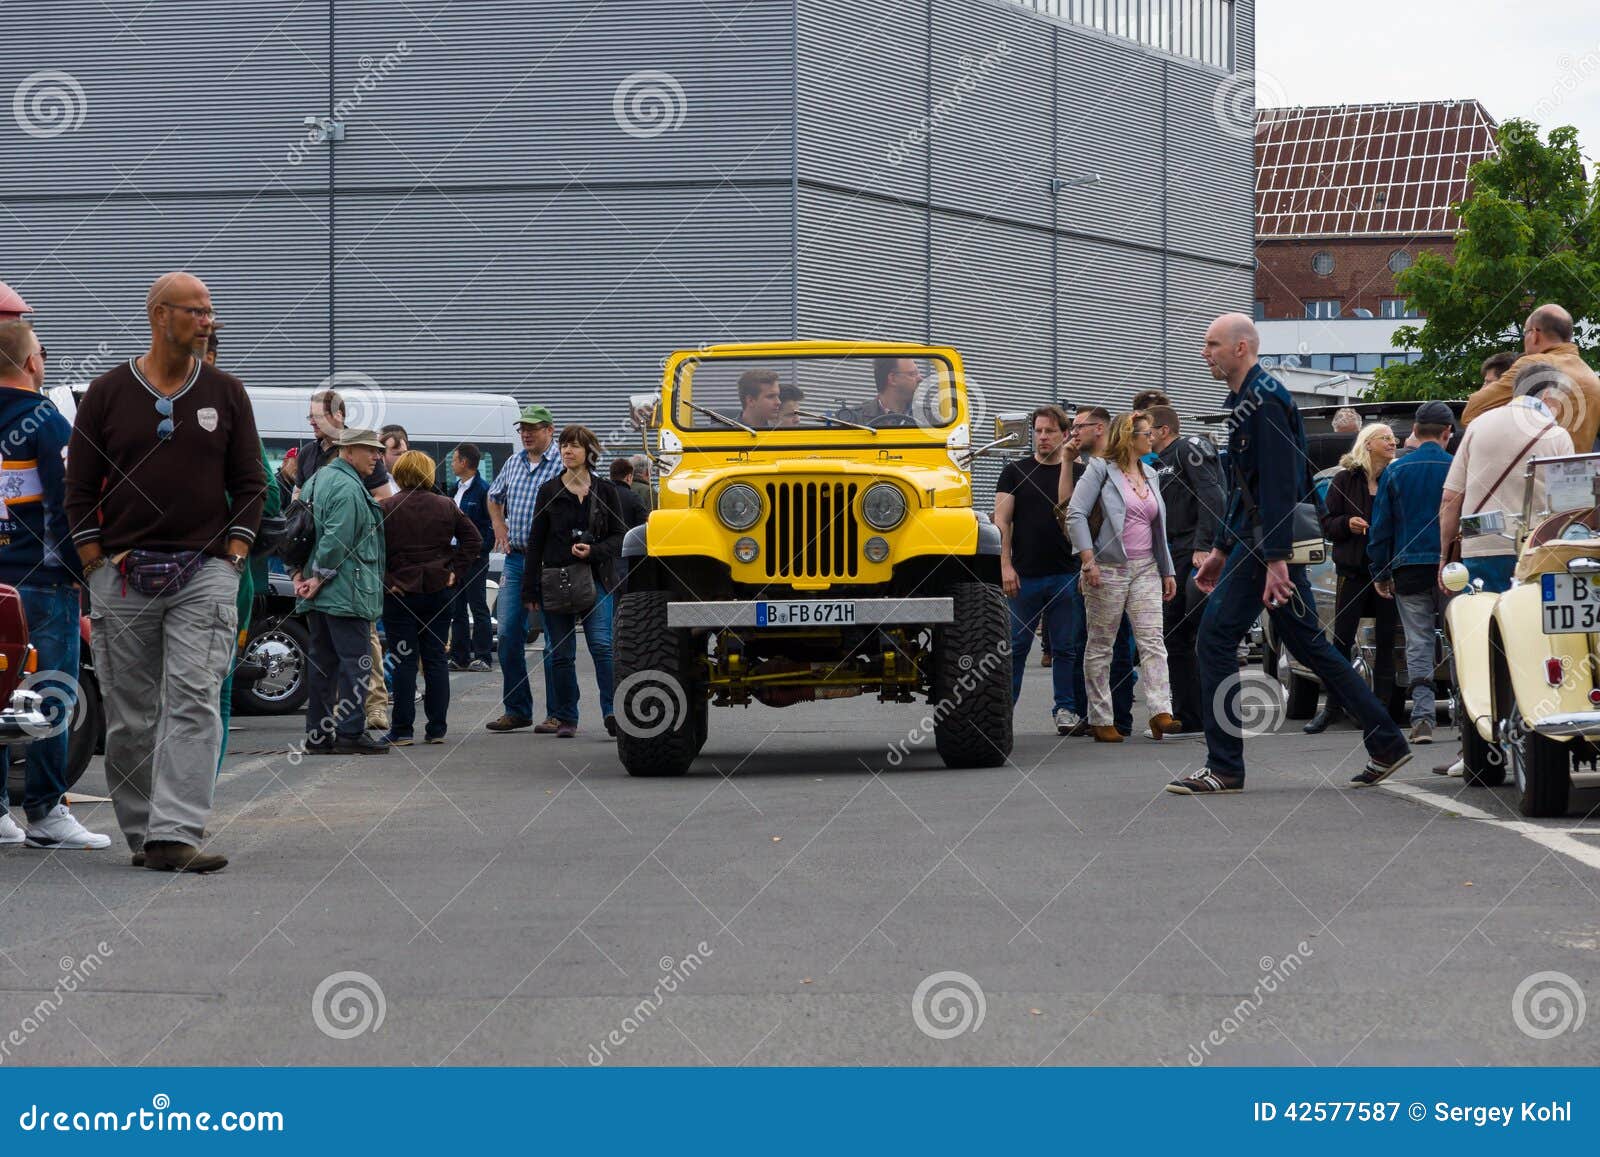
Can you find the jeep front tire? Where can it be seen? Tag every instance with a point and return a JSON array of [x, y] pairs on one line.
[[972, 679], [660, 701]]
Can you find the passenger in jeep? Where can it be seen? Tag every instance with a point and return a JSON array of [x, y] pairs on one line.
[[760, 399]]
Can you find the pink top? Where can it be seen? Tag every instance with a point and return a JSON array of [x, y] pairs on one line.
[[1140, 518]]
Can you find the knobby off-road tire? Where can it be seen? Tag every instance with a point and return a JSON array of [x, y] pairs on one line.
[[660, 708], [972, 679]]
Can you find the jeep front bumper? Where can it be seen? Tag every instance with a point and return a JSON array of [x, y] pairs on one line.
[[868, 612]]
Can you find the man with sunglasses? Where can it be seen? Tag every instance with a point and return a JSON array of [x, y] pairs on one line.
[[164, 494]]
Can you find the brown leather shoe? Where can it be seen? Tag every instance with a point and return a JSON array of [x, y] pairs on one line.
[[1164, 724], [138, 859], [170, 856], [509, 723], [1105, 734], [549, 727]]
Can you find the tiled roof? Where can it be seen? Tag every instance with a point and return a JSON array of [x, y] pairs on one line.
[[1364, 170]]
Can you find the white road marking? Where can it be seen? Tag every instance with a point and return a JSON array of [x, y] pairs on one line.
[[1555, 839]]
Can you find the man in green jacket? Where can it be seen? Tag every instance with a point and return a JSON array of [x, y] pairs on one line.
[[340, 591]]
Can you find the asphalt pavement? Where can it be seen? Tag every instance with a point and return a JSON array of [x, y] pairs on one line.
[[801, 899]]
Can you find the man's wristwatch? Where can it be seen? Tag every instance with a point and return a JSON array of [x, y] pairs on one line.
[[239, 562]]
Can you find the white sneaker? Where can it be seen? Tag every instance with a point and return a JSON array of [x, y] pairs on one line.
[[10, 833], [61, 829], [1458, 769], [1066, 721]]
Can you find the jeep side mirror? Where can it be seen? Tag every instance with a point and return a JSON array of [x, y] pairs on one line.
[[644, 411], [1012, 427], [1488, 522]]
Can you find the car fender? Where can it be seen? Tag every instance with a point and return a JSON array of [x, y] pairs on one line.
[[633, 544], [1518, 616], [1467, 619]]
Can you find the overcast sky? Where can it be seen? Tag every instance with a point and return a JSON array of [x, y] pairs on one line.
[[1533, 59]]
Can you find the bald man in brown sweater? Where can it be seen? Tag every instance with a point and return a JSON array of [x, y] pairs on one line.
[[1552, 367]]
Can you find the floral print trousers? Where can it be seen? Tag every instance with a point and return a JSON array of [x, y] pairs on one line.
[[1133, 589]]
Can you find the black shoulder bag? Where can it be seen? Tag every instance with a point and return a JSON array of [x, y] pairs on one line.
[[570, 589]]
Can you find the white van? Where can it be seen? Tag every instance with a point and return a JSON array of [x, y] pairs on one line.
[[436, 422]]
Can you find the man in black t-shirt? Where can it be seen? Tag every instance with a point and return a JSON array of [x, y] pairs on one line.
[[1037, 563]]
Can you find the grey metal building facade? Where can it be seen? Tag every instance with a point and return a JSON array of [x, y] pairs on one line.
[[543, 198]]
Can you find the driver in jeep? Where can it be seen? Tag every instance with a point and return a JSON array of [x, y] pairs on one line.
[[897, 380]]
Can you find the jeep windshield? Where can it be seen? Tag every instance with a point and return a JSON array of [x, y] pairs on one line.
[[750, 398]]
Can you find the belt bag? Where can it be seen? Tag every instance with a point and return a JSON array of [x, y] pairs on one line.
[[567, 590], [155, 573], [1306, 546]]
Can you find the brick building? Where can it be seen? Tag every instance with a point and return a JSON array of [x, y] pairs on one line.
[[1349, 195]]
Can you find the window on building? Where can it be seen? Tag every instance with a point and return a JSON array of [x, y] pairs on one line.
[[1394, 359], [1322, 263], [1344, 363], [1323, 308], [1397, 307], [1198, 29], [1399, 261], [1259, 310], [1322, 361], [1366, 363]]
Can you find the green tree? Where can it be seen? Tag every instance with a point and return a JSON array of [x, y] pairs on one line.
[[1532, 235]]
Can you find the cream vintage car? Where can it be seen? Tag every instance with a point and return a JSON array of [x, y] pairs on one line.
[[1526, 667]]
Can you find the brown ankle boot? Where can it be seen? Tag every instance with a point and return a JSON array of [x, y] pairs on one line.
[[170, 856], [1164, 724], [1105, 734]]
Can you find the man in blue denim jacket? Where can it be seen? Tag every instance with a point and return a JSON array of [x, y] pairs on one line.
[[1403, 548], [1248, 567]]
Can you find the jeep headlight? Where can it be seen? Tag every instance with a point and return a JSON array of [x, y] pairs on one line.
[[883, 506], [739, 507]]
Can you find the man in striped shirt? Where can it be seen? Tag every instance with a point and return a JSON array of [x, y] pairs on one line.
[[511, 501]]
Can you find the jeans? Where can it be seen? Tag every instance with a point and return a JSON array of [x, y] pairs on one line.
[[338, 676], [415, 628], [1419, 615], [52, 616], [1494, 569], [515, 695], [561, 644], [1230, 612], [471, 598], [1052, 596], [161, 662], [1181, 626], [1122, 677]]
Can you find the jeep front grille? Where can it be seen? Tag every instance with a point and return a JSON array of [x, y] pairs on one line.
[[811, 530]]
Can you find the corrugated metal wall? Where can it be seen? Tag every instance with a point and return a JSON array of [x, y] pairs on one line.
[[501, 215]]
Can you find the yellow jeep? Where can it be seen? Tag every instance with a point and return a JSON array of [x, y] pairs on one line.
[[815, 539]]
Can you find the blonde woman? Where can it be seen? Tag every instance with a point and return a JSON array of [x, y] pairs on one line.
[[1349, 517], [1127, 570]]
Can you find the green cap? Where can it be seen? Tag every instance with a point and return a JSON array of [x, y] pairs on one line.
[[534, 415]]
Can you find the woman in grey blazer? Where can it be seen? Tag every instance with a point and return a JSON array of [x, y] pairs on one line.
[[1126, 570]]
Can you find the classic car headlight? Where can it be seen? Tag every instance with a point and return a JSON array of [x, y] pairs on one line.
[[739, 506], [883, 506]]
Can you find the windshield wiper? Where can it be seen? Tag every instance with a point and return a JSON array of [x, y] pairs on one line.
[[716, 417], [836, 421]]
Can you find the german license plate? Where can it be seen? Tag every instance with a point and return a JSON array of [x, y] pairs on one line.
[[1571, 604], [806, 613]]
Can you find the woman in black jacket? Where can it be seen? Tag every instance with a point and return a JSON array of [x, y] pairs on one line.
[[1348, 518], [577, 521]]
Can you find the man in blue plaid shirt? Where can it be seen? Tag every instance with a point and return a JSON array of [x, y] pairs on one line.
[[511, 501]]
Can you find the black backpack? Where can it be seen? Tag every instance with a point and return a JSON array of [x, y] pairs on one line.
[[299, 538]]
